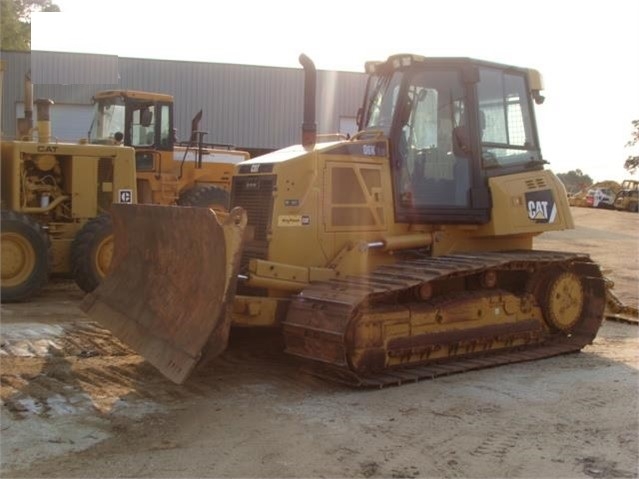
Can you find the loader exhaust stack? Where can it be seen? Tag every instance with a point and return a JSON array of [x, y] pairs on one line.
[[25, 124]]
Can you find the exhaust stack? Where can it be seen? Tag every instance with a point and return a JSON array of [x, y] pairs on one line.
[[24, 125], [309, 127]]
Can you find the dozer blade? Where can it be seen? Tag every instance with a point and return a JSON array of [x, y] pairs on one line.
[[171, 284]]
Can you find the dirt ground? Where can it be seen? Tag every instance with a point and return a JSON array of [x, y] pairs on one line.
[[77, 403]]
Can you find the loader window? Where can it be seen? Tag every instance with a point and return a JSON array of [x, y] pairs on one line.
[[142, 126], [508, 138], [108, 119], [166, 140]]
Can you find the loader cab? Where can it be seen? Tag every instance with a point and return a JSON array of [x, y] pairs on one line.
[[451, 123], [141, 119]]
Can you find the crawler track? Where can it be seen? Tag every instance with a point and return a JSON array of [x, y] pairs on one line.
[[397, 377], [335, 326]]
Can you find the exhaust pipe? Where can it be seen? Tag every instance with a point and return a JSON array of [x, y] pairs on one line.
[[309, 127], [25, 124], [44, 119], [28, 100]]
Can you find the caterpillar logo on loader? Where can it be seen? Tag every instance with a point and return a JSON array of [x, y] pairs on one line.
[[417, 258]]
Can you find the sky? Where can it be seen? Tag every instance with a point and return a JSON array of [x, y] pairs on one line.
[[587, 51]]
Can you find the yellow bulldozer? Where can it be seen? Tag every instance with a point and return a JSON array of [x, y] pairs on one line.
[[627, 198], [56, 196], [404, 252]]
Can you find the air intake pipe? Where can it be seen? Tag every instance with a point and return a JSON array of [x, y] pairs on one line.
[[43, 107], [309, 127]]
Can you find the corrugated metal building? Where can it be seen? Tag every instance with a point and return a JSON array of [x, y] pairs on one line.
[[252, 107]]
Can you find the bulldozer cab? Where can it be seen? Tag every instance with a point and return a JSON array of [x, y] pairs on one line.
[[451, 123]]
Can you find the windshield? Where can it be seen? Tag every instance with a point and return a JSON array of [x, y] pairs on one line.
[[382, 102], [131, 122], [108, 119]]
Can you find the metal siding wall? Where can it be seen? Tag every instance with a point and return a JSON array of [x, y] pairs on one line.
[[17, 65], [244, 105], [339, 94], [62, 68], [69, 123]]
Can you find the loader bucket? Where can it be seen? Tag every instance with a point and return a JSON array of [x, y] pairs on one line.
[[171, 284]]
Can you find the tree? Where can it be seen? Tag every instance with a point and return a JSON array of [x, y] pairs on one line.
[[575, 180], [15, 22], [632, 162]]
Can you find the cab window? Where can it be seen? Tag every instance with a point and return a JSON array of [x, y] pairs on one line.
[[165, 128], [507, 135], [142, 126], [433, 144]]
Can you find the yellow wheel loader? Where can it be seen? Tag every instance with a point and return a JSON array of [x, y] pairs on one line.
[[402, 253], [56, 196], [50, 192], [191, 173]]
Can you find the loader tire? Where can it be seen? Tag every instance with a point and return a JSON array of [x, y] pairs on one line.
[[92, 252], [207, 197], [25, 257]]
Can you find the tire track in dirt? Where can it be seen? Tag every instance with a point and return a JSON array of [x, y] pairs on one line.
[[497, 445]]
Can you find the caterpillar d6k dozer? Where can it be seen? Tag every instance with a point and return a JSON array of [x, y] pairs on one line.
[[402, 253]]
